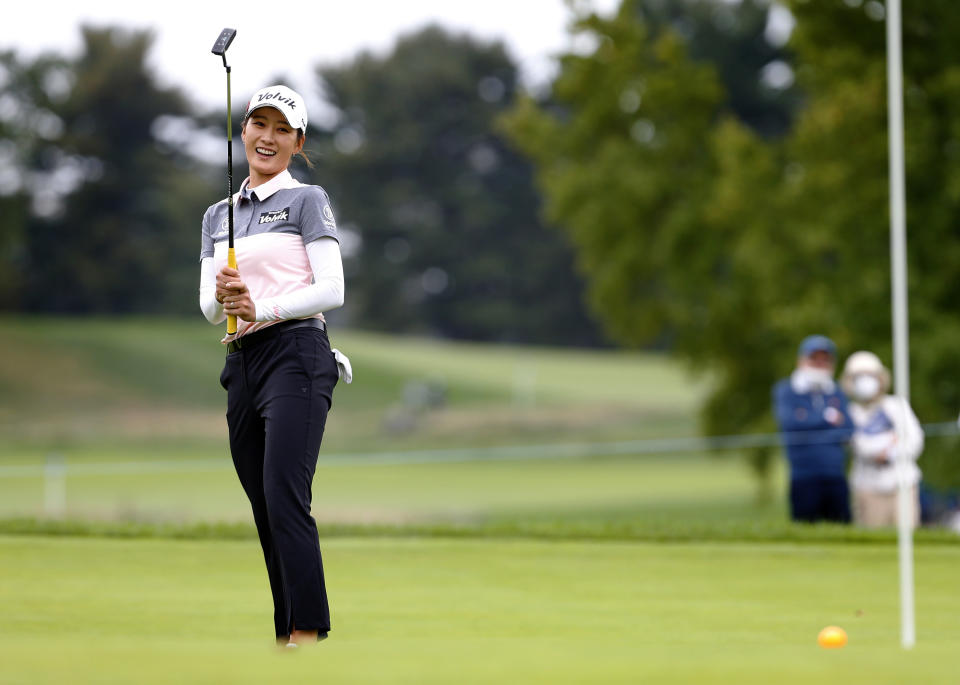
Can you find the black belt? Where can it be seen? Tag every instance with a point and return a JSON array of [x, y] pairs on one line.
[[257, 337]]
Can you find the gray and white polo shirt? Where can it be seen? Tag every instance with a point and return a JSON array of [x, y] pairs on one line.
[[271, 225]]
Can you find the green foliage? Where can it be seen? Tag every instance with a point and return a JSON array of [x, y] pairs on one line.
[[735, 247], [731, 37], [106, 211], [103, 213], [602, 165], [33, 90], [445, 209], [630, 184]]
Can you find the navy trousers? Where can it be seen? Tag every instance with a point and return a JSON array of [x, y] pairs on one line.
[[279, 389], [820, 498]]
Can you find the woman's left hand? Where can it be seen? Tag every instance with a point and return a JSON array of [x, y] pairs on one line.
[[232, 292], [241, 306]]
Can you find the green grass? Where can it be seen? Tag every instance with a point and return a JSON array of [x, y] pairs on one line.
[[133, 383], [652, 529], [398, 492], [105, 394], [179, 360], [678, 490], [139, 391], [94, 610], [615, 569]]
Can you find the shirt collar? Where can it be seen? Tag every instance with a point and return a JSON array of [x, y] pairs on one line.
[[278, 182]]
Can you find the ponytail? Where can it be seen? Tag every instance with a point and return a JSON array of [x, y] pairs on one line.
[[300, 137]]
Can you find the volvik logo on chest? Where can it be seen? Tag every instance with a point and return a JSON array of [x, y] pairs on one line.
[[275, 216]]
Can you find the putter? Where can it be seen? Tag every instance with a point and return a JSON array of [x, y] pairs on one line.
[[220, 48]]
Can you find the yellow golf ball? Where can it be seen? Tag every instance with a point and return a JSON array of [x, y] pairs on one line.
[[832, 637]]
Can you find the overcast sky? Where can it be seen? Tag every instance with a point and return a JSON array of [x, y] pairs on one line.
[[276, 38]]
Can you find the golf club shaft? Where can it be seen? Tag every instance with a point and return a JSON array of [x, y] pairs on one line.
[[220, 48], [231, 253]]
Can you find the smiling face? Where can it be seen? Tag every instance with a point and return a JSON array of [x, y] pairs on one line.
[[270, 143]]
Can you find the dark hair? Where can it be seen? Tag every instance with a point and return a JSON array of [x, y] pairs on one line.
[[301, 136]]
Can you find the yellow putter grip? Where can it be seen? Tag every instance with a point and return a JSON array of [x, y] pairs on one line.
[[232, 263]]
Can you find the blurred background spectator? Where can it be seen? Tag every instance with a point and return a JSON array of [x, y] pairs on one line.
[[811, 410], [887, 439]]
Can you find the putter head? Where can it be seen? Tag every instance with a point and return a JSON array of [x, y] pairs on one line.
[[223, 42]]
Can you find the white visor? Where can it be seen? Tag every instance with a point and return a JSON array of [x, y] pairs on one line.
[[284, 99]]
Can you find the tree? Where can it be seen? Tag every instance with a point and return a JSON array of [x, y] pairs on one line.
[[691, 225], [450, 241], [844, 52], [117, 210], [29, 127], [732, 37]]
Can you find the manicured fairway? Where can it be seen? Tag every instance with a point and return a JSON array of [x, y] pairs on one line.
[[434, 610]]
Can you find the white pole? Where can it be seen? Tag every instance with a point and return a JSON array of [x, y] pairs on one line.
[[55, 486], [898, 268]]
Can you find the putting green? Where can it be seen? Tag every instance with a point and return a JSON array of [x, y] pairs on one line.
[[434, 610]]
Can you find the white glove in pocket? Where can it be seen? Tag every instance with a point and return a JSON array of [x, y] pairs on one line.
[[344, 370]]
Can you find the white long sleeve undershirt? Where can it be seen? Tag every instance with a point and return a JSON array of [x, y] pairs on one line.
[[324, 294]]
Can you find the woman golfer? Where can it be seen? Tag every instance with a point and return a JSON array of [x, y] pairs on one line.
[[280, 371]]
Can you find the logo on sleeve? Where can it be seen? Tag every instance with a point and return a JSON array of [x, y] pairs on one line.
[[328, 217], [275, 216]]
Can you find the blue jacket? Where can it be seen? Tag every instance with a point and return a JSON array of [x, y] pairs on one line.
[[815, 447]]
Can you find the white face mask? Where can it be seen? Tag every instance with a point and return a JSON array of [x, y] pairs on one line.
[[865, 386]]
